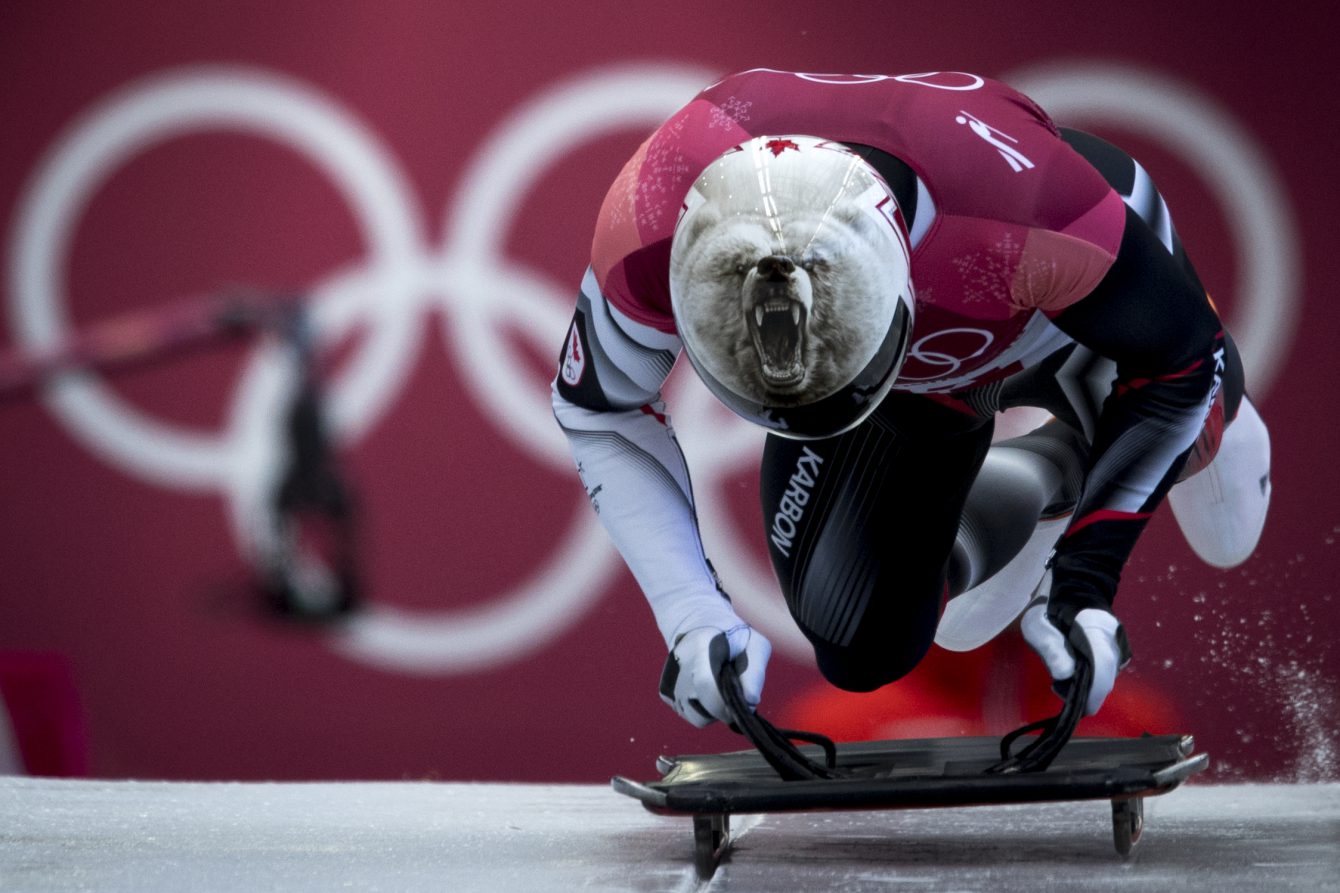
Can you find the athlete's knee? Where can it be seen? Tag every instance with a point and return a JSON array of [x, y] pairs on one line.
[[1222, 510], [872, 664], [1234, 379], [1230, 404]]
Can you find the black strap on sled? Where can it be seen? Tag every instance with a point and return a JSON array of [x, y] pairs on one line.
[[773, 743], [1056, 731]]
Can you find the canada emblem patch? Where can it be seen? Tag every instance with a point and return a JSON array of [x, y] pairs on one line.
[[574, 358]]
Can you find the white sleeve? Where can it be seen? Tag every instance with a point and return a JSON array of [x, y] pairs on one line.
[[606, 399]]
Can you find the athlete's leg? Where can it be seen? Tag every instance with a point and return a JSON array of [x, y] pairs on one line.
[[1222, 500], [1004, 555], [861, 528], [1016, 511], [1023, 479]]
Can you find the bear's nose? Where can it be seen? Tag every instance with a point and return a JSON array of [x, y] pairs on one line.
[[776, 268]]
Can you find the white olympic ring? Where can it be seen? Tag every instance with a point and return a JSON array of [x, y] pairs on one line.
[[923, 79], [400, 283], [841, 78], [120, 128], [491, 294], [948, 363]]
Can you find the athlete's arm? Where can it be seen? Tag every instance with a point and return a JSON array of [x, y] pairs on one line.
[[606, 398], [1150, 317]]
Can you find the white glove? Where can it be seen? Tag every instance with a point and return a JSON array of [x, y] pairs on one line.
[[1047, 629], [689, 680]]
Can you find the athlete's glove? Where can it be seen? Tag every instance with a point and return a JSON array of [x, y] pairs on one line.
[[689, 680], [1061, 632]]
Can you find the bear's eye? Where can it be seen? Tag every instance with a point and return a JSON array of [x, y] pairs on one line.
[[740, 268]]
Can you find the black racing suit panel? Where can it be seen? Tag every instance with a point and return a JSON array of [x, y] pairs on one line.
[[1150, 315], [860, 528]]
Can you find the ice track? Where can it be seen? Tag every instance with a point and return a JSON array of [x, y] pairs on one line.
[[138, 836]]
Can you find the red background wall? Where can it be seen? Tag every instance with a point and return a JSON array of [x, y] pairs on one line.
[[128, 566]]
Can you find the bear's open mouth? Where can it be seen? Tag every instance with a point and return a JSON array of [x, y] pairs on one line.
[[777, 325]]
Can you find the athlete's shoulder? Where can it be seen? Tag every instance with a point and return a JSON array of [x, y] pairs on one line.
[[630, 251]]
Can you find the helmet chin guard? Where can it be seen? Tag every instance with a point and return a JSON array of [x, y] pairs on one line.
[[790, 284]]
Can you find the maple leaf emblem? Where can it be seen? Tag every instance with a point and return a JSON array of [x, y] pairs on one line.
[[778, 146]]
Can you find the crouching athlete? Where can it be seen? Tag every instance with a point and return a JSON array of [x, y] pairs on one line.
[[872, 268]]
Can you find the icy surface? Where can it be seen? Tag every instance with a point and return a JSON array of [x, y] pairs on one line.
[[131, 836]]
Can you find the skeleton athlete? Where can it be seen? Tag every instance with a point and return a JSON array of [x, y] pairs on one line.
[[871, 268]]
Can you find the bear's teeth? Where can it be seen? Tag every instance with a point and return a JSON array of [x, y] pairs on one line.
[[762, 310]]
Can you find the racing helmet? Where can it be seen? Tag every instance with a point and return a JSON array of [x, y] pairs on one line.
[[790, 284]]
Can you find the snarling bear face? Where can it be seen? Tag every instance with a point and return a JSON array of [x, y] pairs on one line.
[[782, 294]]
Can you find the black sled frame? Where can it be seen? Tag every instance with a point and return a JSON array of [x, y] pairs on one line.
[[778, 776], [914, 774]]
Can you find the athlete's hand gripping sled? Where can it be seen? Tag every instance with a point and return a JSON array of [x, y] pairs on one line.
[[778, 776]]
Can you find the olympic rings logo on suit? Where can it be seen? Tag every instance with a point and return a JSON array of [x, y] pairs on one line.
[[480, 293], [945, 364]]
